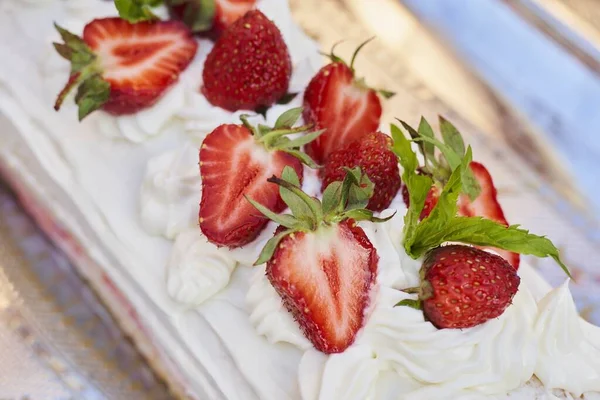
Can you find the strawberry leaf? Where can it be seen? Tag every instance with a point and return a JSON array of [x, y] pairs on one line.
[[282, 219], [137, 10], [299, 141], [198, 15], [297, 207], [269, 249], [92, 93], [364, 214], [332, 198], [288, 118]]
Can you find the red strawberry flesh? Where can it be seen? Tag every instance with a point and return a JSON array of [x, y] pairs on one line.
[[334, 101], [140, 61], [324, 279], [232, 166], [467, 286]]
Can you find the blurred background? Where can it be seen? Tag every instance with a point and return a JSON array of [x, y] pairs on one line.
[[520, 78]]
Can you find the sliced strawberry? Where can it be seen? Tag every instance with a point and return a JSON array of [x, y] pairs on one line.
[[229, 11], [233, 165], [335, 101], [124, 67], [324, 278], [486, 205]]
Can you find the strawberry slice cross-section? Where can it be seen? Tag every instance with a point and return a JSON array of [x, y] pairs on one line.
[[123, 67], [320, 262]]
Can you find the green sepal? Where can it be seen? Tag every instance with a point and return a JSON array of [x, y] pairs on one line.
[[137, 10], [269, 249], [198, 15], [93, 91], [308, 213], [288, 118], [416, 304]]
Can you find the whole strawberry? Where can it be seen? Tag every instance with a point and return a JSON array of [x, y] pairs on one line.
[[320, 262], [463, 286], [236, 161], [342, 104], [122, 67], [373, 155], [249, 67]]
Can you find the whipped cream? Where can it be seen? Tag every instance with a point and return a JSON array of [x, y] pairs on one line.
[[569, 356], [268, 315], [171, 192], [197, 269]]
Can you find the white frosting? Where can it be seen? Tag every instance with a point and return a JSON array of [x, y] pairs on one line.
[[197, 269], [171, 192], [569, 347], [268, 315]]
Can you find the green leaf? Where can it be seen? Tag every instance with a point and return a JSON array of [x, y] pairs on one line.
[[479, 231], [267, 252], [427, 149], [298, 208], [363, 214], [358, 49], [137, 10], [416, 304], [92, 93], [287, 98], [303, 157], [360, 192], [332, 198], [453, 158], [282, 219], [300, 141], [288, 118], [315, 215], [199, 15], [401, 147], [418, 185], [441, 214], [386, 94], [452, 136]]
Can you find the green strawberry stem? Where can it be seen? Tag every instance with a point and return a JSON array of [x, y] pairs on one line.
[[276, 137], [416, 304], [341, 201]]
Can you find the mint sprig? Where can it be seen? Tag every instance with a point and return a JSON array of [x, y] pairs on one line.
[[443, 225], [341, 201]]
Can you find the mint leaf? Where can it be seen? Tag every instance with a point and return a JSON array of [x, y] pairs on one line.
[[479, 231], [452, 137], [444, 211], [418, 185], [427, 149]]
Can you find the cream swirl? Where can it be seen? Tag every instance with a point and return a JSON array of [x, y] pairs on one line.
[[171, 192], [268, 315], [565, 340], [197, 269]]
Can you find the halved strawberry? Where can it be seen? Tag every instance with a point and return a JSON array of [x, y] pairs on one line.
[[344, 105], [324, 279], [236, 161], [123, 67], [320, 262]]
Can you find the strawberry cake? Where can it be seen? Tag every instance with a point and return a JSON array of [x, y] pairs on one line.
[[237, 202]]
